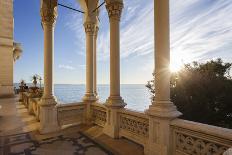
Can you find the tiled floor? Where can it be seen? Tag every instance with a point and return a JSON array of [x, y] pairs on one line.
[[25, 144], [19, 135]]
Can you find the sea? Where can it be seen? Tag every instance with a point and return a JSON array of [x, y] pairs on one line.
[[136, 96]]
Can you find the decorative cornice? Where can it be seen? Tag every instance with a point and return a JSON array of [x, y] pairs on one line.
[[48, 12], [114, 10], [90, 28]]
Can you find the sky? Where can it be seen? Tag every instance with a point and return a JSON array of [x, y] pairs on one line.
[[200, 30]]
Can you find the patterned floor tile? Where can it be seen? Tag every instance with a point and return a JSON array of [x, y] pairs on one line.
[[23, 144]]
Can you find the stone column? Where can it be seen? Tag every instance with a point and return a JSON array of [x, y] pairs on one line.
[[115, 101], [90, 28], [95, 61], [162, 111], [48, 111], [114, 11]]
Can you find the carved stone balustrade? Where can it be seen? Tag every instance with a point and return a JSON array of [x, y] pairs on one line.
[[192, 138], [71, 114], [98, 114], [134, 126]]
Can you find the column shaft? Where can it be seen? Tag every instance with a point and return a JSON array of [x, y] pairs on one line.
[[114, 58], [89, 64], [162, 51], [48, 60], [90, 39]]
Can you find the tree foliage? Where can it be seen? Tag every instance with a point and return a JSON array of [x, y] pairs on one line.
[[202, 92]]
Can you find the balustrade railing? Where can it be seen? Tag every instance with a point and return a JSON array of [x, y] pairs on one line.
[[187, 137], [192, 138], [69, 114], [134, 126], [98, 114]]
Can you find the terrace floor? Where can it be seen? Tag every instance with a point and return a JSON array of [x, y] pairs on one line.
[[19, 135]]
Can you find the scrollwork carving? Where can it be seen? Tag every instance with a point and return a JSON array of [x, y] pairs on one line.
[[135, 125], [196, 146], [99, 116]]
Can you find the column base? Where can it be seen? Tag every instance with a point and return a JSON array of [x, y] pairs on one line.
[[90, 97], [164, 109], [48, 116], [115, 102]]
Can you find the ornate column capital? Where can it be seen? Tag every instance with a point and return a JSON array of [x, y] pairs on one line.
[[90, 28], [48, 12], [96, 31], [114, 10]]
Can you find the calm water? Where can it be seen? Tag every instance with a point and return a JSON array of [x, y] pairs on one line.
[[136, 96]]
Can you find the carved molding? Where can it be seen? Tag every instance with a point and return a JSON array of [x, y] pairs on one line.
[[114, 10]]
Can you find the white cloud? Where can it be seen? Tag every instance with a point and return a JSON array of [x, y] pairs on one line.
[[198, 29], [68, 67]]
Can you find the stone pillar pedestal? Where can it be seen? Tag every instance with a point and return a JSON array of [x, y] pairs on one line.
[[48, 116], [162, 111], [114, 101]]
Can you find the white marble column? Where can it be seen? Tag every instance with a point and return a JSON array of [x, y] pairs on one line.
[[162, 111], [90, 28], [114, 11], [48, 111]]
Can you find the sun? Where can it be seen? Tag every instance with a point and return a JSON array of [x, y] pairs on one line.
[[175, 67], [176, 62]]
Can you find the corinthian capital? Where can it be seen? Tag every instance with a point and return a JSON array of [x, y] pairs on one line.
[[114, 10], [48, 11], [90, 28]]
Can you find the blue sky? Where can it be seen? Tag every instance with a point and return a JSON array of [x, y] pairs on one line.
[[200, 30]]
